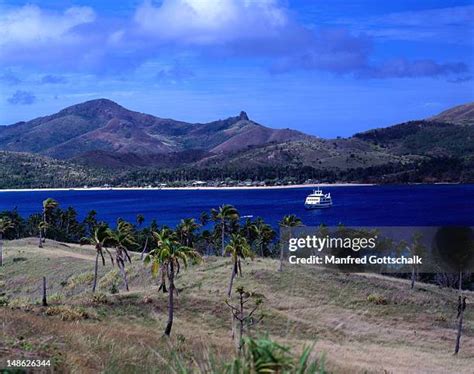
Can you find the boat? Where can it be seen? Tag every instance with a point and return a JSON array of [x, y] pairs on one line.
[[318, 200]]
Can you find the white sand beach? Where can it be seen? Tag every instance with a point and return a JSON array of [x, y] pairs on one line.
[[186, 188]]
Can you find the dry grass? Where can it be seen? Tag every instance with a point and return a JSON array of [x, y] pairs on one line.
[[362, 324]]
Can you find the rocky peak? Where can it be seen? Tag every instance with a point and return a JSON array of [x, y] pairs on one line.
[[243, 116]]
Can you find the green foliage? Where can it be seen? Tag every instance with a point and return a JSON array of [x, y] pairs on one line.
[[266, 356], [4, 301]]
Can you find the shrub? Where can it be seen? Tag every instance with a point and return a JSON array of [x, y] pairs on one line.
[[99, 298], [114, 288], [4, 301], [258, 356], [377, 299], [67, 313]]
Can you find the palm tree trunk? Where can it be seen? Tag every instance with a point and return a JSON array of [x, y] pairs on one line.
[[44, 301], [124, 276], [223, 237], [458, 337], [234, 273], [460, 282], [40, 243], [96, 269], [1, 249], [413, 277], [170, 300], [281, 257], [44, 230], [144, 249]]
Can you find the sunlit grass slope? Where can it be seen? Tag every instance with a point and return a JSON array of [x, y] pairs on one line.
[[358, 323]]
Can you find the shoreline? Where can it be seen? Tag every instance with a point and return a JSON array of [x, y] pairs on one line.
[[190, 188]]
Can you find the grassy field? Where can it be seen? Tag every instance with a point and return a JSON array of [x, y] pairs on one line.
[[358, 323]]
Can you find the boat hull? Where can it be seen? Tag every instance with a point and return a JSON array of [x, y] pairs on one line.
[[317, 206]]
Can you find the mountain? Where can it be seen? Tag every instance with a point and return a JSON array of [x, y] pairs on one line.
[[105, 126], [100, 142], [460, 115]]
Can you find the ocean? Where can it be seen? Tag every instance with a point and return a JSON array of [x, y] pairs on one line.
[[404, 205]]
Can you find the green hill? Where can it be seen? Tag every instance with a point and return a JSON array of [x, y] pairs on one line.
[[359, 323]]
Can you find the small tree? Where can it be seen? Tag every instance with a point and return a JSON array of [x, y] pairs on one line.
[[224, 217], [245, 319], [48, 206], [169, 254], [100, 239], [263, 234], [186, 230], [239, 250], [123, 239]]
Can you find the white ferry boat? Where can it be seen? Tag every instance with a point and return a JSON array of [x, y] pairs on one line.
[[318, 200]]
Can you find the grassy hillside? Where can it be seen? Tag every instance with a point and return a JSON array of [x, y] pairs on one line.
[[360, 323]]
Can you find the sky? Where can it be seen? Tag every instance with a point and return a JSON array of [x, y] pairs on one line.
[[328, 68]]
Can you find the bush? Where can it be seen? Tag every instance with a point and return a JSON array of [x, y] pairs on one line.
[[99, 298], [114, 288], [257, 356], [377, 299], [4, 301], [67, 313]]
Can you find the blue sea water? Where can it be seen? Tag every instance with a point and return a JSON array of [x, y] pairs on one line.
[[406, 205]]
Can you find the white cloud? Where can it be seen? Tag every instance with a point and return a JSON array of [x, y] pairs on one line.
[[205, 22], [29, 25]]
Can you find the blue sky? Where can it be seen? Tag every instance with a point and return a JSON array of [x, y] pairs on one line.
[[329, 68]]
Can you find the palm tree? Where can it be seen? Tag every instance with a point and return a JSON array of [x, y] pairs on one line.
[[287, 222], [123, 239], [42, 227], [239, 249], [48, 206], [224, 216], [204, 219], [185, 230], [263, 234], [160, 236], [140, 219], [146, 233], [100, 239], [5, 225], [168, 254]]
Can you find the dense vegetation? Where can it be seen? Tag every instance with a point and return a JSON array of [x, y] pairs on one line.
[[37, 172]]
